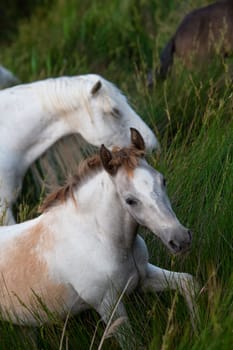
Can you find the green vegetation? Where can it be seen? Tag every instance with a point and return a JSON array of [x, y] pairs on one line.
[[191, 113]]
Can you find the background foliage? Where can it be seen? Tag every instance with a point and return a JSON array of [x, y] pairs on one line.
[[191, 113]]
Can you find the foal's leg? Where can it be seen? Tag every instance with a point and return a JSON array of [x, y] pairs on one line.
[[158, 279], [113, 313]]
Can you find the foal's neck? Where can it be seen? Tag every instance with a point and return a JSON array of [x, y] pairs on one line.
[[98, 200]]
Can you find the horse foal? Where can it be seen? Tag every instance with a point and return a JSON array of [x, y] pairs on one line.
[[79, 254]]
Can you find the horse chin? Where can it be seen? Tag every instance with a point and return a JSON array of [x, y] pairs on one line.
[[166, 244], [172, 251], [180, 252], [175, 251]]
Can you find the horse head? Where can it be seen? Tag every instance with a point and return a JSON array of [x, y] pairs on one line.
[[110, 116], [142, 191]]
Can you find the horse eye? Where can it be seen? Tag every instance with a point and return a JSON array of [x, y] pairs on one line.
[[164, 182], [131, 201], [115, 112]]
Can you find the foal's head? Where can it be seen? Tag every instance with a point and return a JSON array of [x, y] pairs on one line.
[[142, 191]]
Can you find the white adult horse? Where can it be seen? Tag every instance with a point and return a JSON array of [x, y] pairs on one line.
[[83, 250], [34, 116], [7, 78]]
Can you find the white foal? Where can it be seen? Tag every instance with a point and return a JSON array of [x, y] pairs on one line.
[[83, 250], [34, 116]]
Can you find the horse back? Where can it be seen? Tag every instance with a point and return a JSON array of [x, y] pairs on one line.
[[203, 30]]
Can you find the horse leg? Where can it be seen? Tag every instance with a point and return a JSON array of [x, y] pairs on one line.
[[113, 313], [158, 279]]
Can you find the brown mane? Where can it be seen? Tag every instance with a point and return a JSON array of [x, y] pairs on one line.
[[126, 157]]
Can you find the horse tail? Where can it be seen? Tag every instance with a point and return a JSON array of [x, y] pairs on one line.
[[166, 58]]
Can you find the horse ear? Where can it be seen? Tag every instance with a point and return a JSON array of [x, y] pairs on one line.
[[106, 157], [137, 140], [96, 87]]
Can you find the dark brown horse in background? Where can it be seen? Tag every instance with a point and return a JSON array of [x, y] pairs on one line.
[[201, 35]]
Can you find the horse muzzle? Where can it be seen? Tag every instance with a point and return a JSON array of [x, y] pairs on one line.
[[180, 242]]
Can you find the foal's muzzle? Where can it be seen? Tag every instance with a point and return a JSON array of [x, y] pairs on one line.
[[180, 245]]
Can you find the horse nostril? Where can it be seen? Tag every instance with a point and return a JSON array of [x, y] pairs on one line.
[[173, 245]]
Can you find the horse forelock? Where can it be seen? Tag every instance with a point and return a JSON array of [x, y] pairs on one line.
[[127, 157], [115, 93]]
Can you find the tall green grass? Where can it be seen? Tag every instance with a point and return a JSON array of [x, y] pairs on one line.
[[191, 113]]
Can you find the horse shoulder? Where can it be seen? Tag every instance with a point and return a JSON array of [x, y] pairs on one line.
[[90, 264]]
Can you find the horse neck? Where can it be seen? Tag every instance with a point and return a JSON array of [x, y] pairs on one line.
[[100, 207], [50, 121]]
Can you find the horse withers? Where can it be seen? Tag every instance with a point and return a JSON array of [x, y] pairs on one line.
[[84, 250], [34, 116]]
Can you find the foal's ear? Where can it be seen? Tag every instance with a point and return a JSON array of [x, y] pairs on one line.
[[106, 157], [96, 87], [137, 140]]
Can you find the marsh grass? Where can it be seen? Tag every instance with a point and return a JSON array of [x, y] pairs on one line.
[[191, 112]]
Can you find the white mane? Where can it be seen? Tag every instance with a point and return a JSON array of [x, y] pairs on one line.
[[66, 93]]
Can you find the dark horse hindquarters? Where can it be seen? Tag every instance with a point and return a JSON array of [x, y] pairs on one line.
[[202, 33]]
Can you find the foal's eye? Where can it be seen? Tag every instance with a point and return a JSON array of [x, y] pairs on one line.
[[131, 201], [164, 182]]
